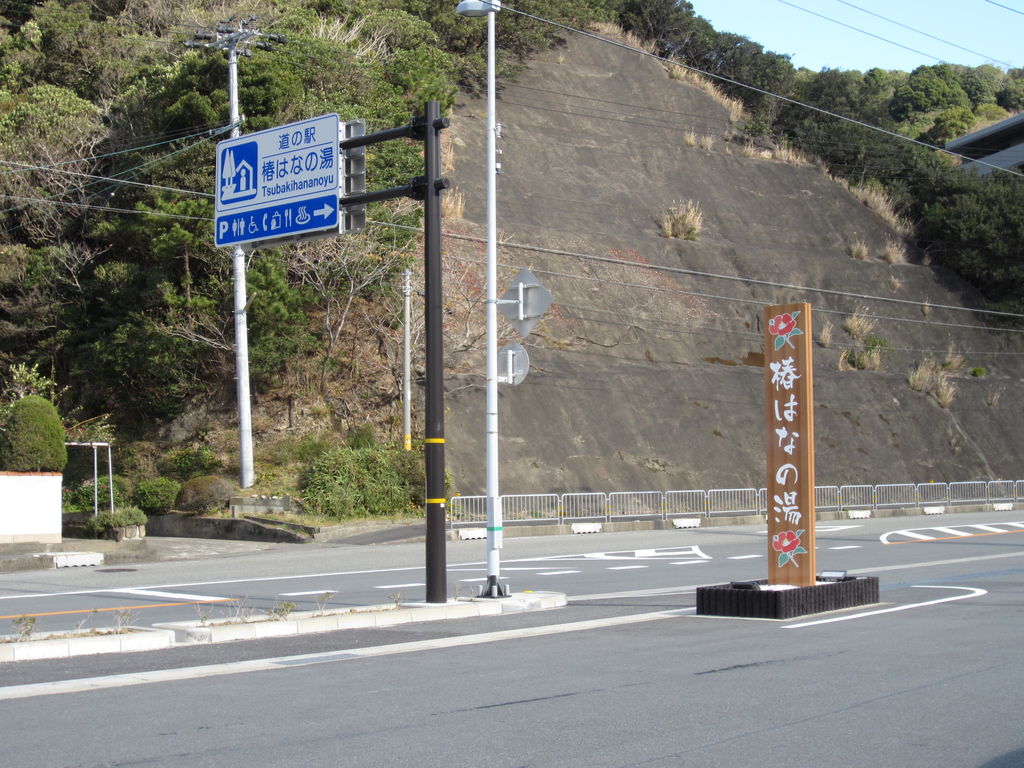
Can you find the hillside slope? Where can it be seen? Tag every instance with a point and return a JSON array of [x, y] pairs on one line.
[[646, 379]]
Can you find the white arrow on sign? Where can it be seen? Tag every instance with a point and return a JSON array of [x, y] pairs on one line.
[[326, 211]]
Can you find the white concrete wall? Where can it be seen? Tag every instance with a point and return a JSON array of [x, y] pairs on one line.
[[30, 507]]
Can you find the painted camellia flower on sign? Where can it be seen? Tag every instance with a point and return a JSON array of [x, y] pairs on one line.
[[787, 544], [782, 327]]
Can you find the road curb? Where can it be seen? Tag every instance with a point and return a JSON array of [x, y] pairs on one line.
[[368, 617], [59, 645]]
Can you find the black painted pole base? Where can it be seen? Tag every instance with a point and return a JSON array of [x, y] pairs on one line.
[[745, 599], [493, 588]]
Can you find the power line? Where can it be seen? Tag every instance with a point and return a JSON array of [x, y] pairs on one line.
[[920, 32], [761, 91], [1014, 10], [858, 29]]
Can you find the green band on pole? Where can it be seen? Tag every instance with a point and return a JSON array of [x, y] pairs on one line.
[[495, 528]]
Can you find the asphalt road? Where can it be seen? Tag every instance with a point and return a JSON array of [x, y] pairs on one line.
[[626, 675]]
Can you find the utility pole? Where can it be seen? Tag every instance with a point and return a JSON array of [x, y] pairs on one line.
[[428, 188], [233, 38], [406, 372]]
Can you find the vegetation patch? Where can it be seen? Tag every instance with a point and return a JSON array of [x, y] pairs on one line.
[[683, 220]]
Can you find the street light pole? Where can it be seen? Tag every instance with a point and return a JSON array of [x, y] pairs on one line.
[[493, 587]]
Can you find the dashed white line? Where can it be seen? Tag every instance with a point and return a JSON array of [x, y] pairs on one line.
[[624, 567], [847, 546], [554, 573], [989, 528], [399, 586], [165, 595], [314, 592], [690, 562], [744, 557]]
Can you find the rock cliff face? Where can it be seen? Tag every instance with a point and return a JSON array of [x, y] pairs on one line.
[[653, 379]]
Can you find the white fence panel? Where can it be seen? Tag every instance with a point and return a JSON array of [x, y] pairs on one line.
[[826, 497], [686, 503], [895, 495], [1000, 490], [580, 506], [467, 509], [530, 506], [973, 492], [933, 493], [635, 504], [857, 496], [723, 501]]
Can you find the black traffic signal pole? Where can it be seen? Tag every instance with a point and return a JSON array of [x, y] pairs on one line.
[[427, 188]]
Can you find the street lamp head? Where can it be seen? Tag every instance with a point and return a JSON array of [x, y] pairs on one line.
[[477, 7]]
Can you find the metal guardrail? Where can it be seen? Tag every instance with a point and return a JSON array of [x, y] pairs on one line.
[[546, 507]]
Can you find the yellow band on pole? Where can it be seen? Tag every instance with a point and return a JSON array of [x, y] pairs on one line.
[[436, 501], [433, 440]]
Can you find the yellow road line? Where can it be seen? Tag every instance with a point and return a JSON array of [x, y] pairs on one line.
[[120, 608]]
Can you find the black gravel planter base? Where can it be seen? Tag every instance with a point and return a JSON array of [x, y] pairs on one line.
[[746, 600]]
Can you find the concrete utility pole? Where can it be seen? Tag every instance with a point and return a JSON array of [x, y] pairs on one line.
[[232, 38], [406, 372]]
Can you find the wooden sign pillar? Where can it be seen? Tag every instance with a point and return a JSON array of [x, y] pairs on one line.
[[789, 418]]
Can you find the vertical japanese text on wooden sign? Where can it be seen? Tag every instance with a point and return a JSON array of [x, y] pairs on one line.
[[789, 414]]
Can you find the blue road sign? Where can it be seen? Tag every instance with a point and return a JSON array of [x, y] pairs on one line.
[[279, 184]]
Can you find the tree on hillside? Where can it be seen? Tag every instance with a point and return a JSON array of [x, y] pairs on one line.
[[929, 88]]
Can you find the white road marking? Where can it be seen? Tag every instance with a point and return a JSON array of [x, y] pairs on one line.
[[990, 528], [643, 554], [915, 535], [284, 662], [399, 586], [554, 573], [831, 528], [847, 546], [314, 592], [470, 581], [744, 557], [164, 595], [971, 592], [690, 562], [623, 567]]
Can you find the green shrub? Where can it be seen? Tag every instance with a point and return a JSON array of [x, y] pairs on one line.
[[354, 482], [361, 437], [80, 498], [204, 494], [978, 372], [192, 461], [156, 496], [33, 438], [101, 524]]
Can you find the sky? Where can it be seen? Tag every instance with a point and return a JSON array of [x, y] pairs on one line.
[[991, 31]]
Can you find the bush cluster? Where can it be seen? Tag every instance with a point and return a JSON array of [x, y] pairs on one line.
[[33, 438], [101, 524], [156, 496], [376, 481], [80, 498]]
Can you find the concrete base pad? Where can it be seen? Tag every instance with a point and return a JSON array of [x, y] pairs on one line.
[[746, 600]]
